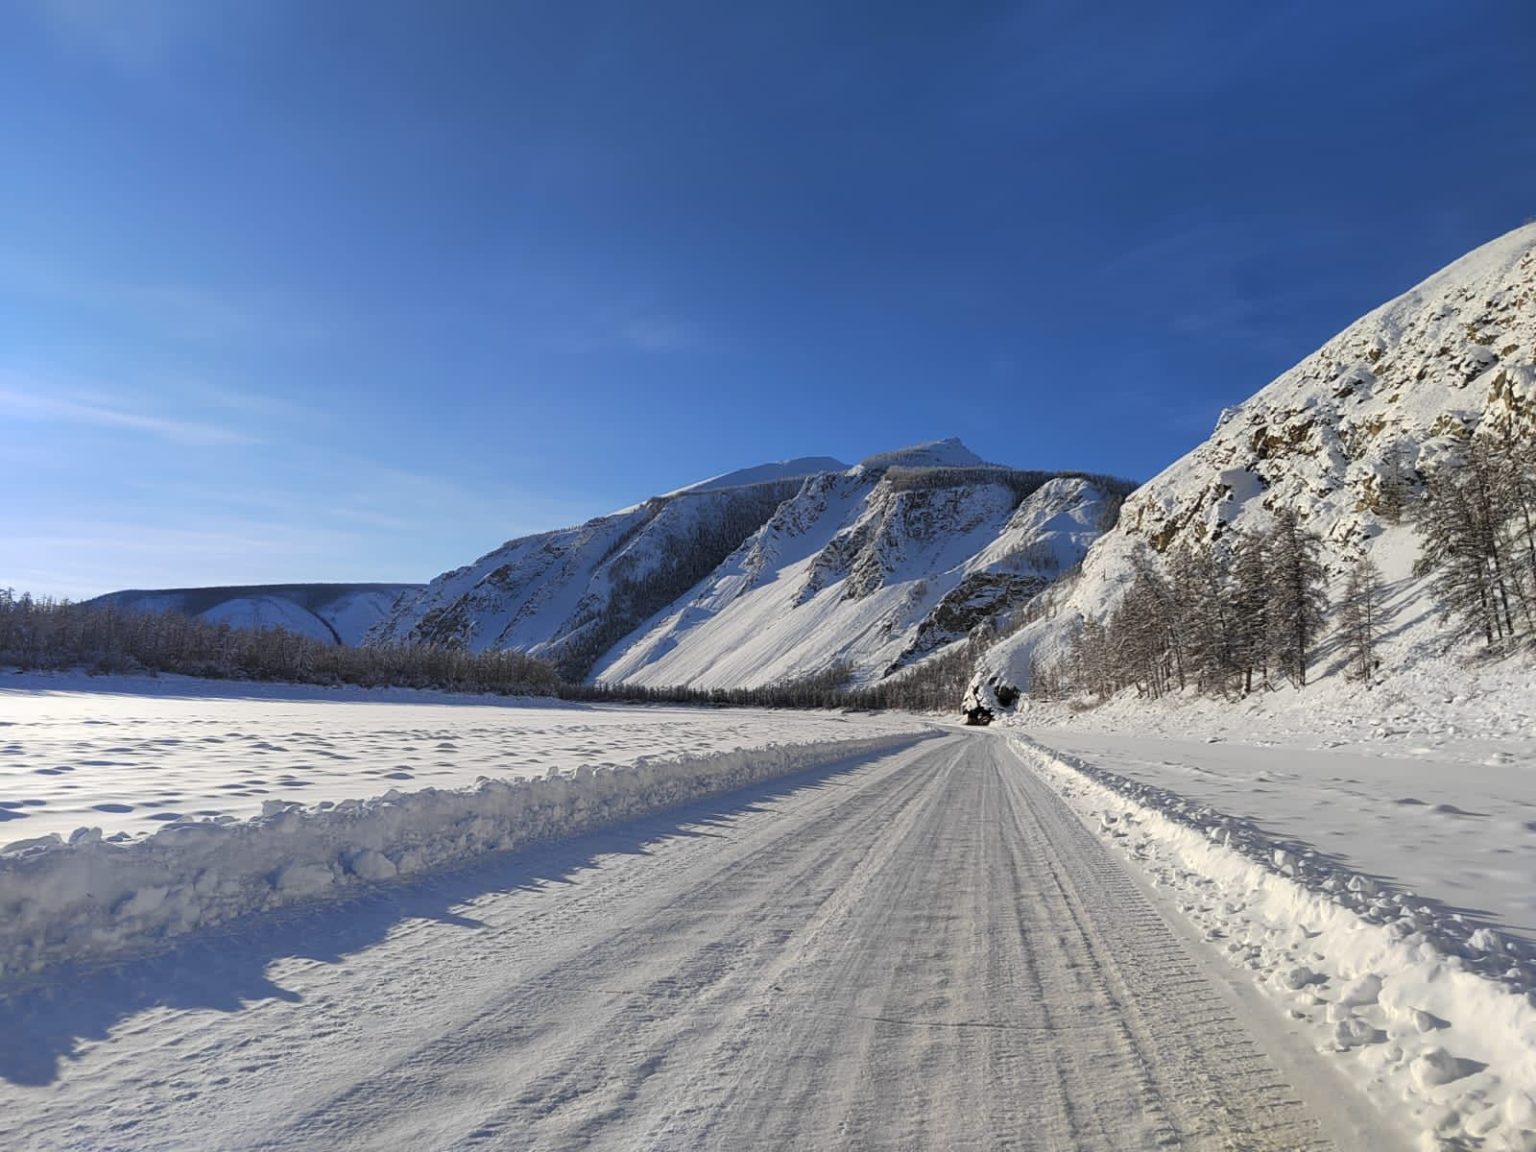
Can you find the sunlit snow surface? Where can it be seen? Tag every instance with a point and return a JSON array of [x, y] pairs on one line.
[[1427, 781], [131, 754]]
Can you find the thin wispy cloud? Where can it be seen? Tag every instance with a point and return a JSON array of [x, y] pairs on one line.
[[134, 37], [660, 334], [27, 405], [182, 312]]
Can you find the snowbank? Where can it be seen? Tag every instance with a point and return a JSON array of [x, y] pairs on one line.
[[1435, 1020], [86, 898]]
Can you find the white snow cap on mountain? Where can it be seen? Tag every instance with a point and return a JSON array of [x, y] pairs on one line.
[[762, 473], [947, 453]]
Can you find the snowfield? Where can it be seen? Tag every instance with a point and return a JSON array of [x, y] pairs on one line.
[[130, 755], [1427, 781], [676, 928], [506, 775]]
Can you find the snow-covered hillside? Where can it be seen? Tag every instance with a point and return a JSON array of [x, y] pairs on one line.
[[725, 584], [871, 568], [569, 595], [1338, 439], [331, 613]]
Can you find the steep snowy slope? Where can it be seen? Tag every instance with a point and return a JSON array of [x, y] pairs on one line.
[[333, 613], [569, 595], [1338, 438], [872, 569]]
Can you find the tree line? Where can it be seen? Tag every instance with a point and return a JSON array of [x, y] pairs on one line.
[[1255, 609], [1222, 618], [40, 633], [1477, 524]]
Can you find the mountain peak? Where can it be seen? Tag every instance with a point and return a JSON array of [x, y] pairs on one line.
[[946, 453]]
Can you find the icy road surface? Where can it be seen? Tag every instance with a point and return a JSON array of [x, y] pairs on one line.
[[920, 950]]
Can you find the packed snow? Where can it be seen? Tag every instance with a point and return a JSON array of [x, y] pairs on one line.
[[915, 948]]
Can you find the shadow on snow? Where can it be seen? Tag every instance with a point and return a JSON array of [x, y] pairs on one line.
[[226, 970]]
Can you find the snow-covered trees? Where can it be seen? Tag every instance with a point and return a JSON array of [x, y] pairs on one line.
[[1298, 597], [1360, 613], [1478, 534], [1206, 610], [1215, 618], [1248, 593]]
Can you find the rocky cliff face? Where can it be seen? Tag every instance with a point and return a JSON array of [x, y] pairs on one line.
[[1344, 438], [569, 595]]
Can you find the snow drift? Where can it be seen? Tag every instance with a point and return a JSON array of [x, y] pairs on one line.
[[88, 898]]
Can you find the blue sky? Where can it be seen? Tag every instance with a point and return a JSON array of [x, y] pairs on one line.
[[355, 290]]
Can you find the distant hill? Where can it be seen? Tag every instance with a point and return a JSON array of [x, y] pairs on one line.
[[334, 613]]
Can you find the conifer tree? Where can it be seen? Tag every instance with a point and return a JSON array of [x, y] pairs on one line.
[[1360, 614], [1248, 598], [1298, 598]]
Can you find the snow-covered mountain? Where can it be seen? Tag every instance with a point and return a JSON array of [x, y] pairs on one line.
[[1338, 438], [779, 470], [332, 613], [871, 568], [570, 595], [874, 568]]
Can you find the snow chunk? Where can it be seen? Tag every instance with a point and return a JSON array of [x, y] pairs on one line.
[[1437, 1067]]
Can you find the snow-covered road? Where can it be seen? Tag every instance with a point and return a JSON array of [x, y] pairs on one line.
[[924, 949]]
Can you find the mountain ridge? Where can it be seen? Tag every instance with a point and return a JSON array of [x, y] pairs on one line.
[[875, 567]]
